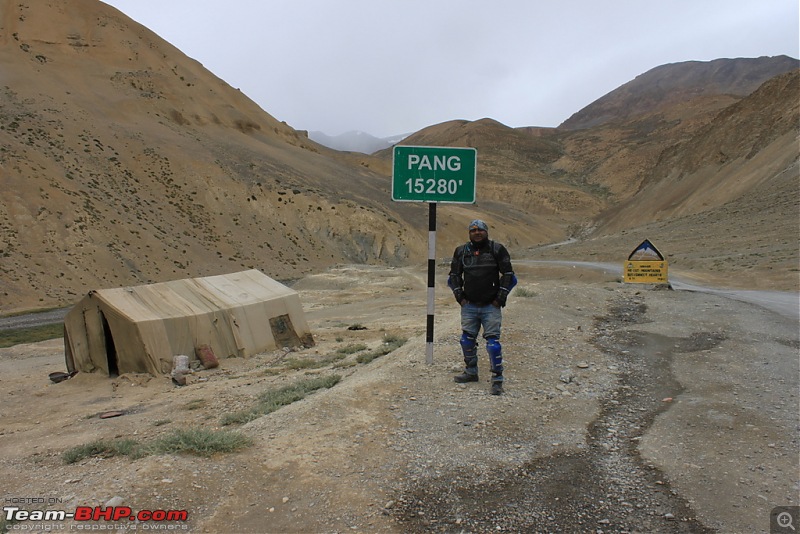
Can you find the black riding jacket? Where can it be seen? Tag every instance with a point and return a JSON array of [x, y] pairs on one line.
[[479, 272]]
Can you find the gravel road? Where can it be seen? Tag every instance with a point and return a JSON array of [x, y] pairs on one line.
[[785, 303], [32, 320]]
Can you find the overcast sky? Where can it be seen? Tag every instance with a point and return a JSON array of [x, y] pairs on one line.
[[390, 67]]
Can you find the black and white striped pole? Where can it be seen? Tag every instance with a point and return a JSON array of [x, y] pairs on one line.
[[431, 280]]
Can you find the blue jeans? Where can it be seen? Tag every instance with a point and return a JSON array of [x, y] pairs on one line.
[[473, 316]]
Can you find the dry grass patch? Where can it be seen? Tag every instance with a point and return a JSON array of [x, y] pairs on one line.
[[272, 400], [9, 338], [197, 441]]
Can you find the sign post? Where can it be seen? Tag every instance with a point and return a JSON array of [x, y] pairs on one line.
[[645, 265], [433, 174]]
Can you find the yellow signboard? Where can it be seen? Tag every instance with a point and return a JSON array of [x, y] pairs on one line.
[[645, 265], [645, 272]]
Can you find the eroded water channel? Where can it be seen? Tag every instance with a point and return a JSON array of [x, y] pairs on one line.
[[606, 486]]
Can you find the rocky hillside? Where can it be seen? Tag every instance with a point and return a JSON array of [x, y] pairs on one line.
[[123, 161], [746, 146], [680, 83], [722, 199]]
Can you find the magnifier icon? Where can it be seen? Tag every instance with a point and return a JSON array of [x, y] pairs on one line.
[[785, 520]]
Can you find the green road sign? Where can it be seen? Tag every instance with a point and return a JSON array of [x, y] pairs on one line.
[[434, 174]]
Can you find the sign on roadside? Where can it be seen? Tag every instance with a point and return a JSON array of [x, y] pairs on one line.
[[434, 174], [645, 265]]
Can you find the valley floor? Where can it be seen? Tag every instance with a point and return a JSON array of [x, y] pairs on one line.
[[628, 408]]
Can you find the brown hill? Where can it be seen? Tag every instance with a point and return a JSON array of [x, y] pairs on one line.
[[123, 162], [617, 140], [514, 180], [724, 201], [746, 144], [615, 157], [676, 83]]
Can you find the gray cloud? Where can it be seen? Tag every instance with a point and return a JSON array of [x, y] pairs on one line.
[[389, 67]]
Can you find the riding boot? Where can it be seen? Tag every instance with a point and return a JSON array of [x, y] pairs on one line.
[[495, 351], [469, 347], [497, 383]]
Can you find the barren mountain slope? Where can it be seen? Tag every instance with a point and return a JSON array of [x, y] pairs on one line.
[[747, 144], [615, 158], [725, 202], [680, 82], [748, 243], [123, 152], [513, 167], [616, 142]]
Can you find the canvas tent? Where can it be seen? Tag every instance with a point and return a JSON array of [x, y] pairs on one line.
[[140, 329]]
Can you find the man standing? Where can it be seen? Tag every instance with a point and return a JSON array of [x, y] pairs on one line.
[[481, 277]]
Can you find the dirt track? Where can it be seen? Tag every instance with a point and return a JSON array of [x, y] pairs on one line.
[[627, 409]]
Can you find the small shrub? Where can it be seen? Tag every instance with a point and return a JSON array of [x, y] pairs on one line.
[[202, 442], [194, 404], [301, 363], [351, 349], [390, 343], [524, 292], [104, 448], [272, 400]]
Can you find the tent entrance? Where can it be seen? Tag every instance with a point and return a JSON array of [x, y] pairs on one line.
[[283, 331], [111, 349]]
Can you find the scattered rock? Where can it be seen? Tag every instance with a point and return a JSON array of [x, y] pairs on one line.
[[114, 501]]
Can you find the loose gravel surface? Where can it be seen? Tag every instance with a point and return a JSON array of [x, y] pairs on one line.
[[604, 484], [628, 408]]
